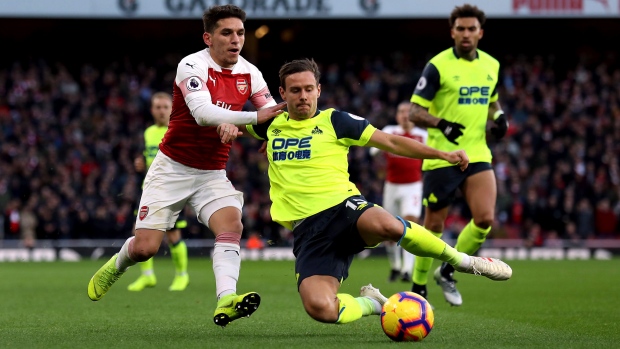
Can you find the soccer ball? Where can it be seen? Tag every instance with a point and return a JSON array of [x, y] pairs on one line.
[[407, 317]]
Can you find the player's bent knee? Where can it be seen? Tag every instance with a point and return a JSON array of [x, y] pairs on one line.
[[322, 309], [145, 247], [393, 230]]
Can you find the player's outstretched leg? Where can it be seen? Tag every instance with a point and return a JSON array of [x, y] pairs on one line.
[[421, 242], [146, 279], [232, 307], [103, 279]]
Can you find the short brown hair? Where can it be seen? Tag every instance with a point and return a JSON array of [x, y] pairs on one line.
[[299, 66], [215, 13], [467, 10]]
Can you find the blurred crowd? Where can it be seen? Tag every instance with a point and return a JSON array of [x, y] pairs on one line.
[[69, 134]]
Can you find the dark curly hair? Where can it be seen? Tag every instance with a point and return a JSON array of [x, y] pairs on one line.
[[467, 10], [215, 13]]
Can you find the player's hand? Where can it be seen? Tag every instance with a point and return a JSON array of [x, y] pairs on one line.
[[139, 165], [500, 128], [457, 157], [263, 149], [451, 130], [270, 113], [228, 132]]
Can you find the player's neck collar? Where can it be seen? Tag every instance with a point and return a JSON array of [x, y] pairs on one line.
[[456, 54], [288, 116]]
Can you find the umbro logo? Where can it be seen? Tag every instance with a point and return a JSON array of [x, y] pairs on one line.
[[489, 78], [190, 65], [317, 131], [237, 252], [276, 132], [456, 78]]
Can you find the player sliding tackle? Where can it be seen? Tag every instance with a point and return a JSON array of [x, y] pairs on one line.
[[331, 221]]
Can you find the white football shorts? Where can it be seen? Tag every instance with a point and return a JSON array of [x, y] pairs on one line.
[[403, 199], [169, 185]]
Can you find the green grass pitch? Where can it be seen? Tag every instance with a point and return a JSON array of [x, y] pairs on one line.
[[547, 304]]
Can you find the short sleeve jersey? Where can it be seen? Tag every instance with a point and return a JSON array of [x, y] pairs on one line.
[[308, 164], [199, 146], [152, 137], [459, 90]]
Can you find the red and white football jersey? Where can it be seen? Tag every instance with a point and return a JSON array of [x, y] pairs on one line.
[[199, 146], [399, 168]]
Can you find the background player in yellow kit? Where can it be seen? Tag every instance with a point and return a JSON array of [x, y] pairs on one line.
[[454, 98]]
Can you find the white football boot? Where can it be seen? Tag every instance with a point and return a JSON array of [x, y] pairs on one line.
[[492, 268], [371, 292]]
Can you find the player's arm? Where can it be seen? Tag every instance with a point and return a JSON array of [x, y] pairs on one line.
[[353, 130], [421, 117], [410, 148], [422, 98], [192, 82], [374, 151]]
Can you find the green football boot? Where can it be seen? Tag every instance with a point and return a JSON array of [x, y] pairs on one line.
[[143, 282], [103, 279], [232, 307], [179, 283]]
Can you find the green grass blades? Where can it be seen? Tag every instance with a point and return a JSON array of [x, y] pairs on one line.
[[547, 304]]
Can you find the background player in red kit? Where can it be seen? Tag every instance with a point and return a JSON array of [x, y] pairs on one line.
[[402, 192], [210, 89]]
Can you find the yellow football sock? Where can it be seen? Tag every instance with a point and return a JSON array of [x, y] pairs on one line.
[[423, 243], [179, 257], [352, 309], [422, 266], [146, 267], [471, 238]]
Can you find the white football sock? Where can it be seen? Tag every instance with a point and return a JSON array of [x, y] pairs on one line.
[[123, 261], [377, 306], [226, 265], [466, 261]]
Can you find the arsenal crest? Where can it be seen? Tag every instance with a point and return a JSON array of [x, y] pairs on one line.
[[242, 85], [144, 210]]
